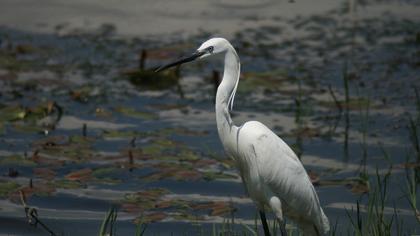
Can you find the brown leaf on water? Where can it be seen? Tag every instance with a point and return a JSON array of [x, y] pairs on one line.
[[221, 208], [216, 208], [44, 173], [156, 176], [358, 187], [50, 161], [189, 175], [201, 206], [132, 207], [81, 175], [39, 188], [164, 204], [204, 163], [408, 165], [154, 217], [145, 195], [53, 140]]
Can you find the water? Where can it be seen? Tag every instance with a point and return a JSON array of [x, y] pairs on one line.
[[177, 172]]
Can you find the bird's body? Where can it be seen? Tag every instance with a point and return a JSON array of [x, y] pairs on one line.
[[273, 176]]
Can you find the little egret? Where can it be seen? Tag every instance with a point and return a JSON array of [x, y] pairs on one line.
[[273, 176]]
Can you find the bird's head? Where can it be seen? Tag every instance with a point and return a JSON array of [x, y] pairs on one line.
[[208, 48]]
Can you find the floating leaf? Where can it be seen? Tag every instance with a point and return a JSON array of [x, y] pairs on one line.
[[84, 93], [164, 204], [213, 175], [27, 127], [67, 184], [356, 185], [45, 173], [143, 200], [81, 140], [12, 113], [120, 134], [204, 163], [187, 175], [81, 175], [106, 175], [151, 217], [216, 208], [49, 161], [104, 172], [52, 140], [132, 207], [185, 216], [221, 208], [38, 188], [128, 111], [156, 176], [187, 155], [150, 194], [7, 187], [16, 160]]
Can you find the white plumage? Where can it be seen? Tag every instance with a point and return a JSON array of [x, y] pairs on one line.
[[273, 176]]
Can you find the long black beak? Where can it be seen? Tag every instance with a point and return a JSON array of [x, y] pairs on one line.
[[182, 61]]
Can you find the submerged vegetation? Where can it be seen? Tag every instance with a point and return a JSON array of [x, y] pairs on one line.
[[86, 125]]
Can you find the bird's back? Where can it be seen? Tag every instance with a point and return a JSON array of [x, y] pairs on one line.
[[273, 163]]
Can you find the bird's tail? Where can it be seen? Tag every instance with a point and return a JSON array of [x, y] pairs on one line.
[[317, 228], [325, 224]]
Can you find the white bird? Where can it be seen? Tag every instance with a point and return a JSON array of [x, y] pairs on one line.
[[273, 176]]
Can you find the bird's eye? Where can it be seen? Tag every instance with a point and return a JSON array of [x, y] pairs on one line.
[[210, 49]]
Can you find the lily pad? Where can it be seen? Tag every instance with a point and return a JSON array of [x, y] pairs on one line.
[[120, 134], [16, 160], [106, 175], [143, 200], [7, 187], [44, 173], [151, 217], [12, 113], [38, 189], [84, 93], [131, 112], [67, 184], [186, 216], [80, 175], [356, 185], [214, 175], [216, 208]]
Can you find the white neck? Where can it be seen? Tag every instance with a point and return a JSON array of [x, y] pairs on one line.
[[224, 98]]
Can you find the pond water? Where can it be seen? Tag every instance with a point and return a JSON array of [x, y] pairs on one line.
[[86, 126]]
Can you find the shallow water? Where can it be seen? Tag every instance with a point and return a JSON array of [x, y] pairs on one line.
[[177, 177]]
